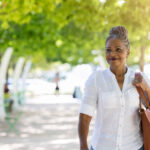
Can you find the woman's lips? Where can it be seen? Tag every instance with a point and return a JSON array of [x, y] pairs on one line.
[[114, 59]]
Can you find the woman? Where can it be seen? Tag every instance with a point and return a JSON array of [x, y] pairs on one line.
[[8, 101], [112, 93], [57, 79]]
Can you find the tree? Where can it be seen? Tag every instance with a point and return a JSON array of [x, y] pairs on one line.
[[67, 30]]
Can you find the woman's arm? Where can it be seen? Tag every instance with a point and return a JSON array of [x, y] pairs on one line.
[[83, 129], [87, 110]]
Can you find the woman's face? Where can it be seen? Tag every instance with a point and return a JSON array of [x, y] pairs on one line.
[[116, 53]]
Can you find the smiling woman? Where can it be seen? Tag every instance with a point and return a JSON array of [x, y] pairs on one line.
[[112, 93], [117, 52]]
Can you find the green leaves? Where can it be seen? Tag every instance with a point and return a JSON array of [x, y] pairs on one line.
[[68, 30]]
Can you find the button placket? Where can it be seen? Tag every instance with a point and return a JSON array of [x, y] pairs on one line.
[[120, 121]]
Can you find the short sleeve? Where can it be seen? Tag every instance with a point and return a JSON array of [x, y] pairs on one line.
[[89, 101]]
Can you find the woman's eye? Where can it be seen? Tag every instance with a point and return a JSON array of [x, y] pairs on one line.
[[108, 50], [118, 50]]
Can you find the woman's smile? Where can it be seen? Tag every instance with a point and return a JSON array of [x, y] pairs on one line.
[[116, 53], [113, 59]]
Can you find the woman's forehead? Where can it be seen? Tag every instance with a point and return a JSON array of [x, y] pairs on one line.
[[114, 42]]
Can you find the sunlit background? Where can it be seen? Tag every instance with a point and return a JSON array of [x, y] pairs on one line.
[[40, 39]]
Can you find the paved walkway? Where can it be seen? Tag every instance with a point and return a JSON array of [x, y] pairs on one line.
[[48, 123]]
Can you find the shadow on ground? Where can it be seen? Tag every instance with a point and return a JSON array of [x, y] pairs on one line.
[[44, 127]]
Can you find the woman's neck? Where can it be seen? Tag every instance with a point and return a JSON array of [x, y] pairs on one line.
[[119, 71]]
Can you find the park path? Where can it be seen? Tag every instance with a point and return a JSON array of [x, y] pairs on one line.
[[48, 123]]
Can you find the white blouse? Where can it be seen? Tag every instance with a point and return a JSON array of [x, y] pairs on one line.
[[117, 125]]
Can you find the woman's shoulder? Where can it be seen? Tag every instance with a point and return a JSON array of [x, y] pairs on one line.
[[133, 71], [98, 73], [145, 75], [95, 74]]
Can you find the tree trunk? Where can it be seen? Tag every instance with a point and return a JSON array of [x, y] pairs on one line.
[[142, 61]]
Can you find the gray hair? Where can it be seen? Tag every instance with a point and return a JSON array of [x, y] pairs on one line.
[[121, 33]]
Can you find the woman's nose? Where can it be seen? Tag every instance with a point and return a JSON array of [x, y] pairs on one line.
[[113, 53]]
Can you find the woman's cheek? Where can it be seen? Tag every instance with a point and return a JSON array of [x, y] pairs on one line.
[[107, 59]]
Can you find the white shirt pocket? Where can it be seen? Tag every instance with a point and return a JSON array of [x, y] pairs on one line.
[[109, 100], [132, 97]]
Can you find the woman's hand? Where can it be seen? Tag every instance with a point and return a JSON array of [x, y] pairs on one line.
[[86, 148], [140, 82]]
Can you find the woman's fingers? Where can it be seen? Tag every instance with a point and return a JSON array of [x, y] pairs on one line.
[[137, 79]]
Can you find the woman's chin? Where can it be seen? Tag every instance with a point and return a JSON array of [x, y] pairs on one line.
[[114, 64]]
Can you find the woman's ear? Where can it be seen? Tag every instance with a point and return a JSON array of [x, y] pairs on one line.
[[128, 52]]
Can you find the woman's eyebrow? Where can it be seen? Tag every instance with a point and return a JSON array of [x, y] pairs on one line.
[[118, 46]]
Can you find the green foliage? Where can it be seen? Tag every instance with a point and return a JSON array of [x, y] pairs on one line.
[[68, 30]]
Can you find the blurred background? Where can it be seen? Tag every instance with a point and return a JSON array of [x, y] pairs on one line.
[[48, 49]]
